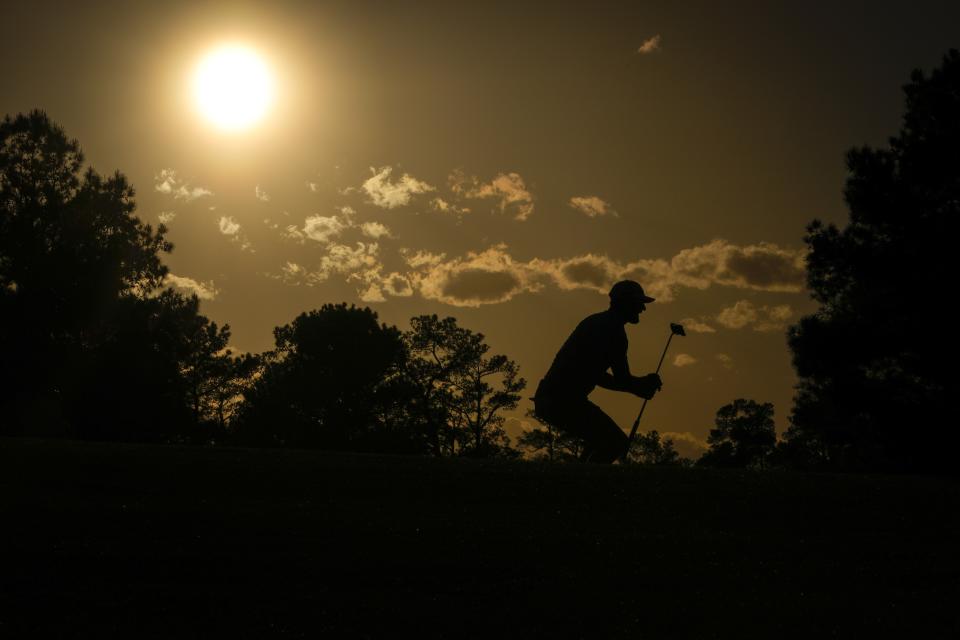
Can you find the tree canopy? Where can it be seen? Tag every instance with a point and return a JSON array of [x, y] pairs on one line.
[[876, 371], [329, 382], [744, 436], [91, 344]]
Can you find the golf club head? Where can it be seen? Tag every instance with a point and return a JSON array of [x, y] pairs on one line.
[[677, 329]]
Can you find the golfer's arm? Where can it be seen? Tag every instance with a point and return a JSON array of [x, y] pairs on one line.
[[608, 381], [621, 380]]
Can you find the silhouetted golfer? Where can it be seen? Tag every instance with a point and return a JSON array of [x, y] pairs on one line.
[[597, 346]]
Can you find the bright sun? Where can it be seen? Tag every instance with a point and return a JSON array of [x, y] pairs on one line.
[[233, 87]]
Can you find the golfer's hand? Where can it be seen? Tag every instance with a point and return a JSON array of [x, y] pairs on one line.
[[646, 386]]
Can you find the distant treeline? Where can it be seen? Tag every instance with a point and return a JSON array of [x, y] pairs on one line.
[[93, 345]]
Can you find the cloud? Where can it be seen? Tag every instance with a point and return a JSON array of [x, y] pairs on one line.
[[341, 258], [293, 273], [356, 262], [591, 206], [744, 313], [375, 230], [166, 217], [170, 184], [486, 277], [387, 194], [685, 443], [696, 326], [422, 259], [776, 318], [203, 290], [650, 45], [292, 232], [397, 285], [322, 228], [229, 226], [762, 267], [684, 360], [582, 272], [509, 188], [725, 360], [439, 204], [372, 294], [738, 316], [262, 195], [494, 276]]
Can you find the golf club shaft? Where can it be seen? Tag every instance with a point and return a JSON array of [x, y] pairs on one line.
[[636, 423]]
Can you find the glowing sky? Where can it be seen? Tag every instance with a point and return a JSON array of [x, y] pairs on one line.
[[500, 162]]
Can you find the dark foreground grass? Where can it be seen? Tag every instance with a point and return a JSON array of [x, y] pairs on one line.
[[130, 541]]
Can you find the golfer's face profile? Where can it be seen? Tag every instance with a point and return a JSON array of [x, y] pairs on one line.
[[635, 308]]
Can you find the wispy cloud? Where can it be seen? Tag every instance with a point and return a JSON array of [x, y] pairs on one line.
[[744, 313], [761, 267], [508, 188], [323, 228], [397, 285], [340, 259], [592, 206], [485, 277], [372, 293], [229, 226], [684, 360], [650, 45], [203, 290], [167, 182], [493, 275], [374, 230], [262, 195], [293, 273], [167, 217], [685, 443], [439, 204], [389, 194], [696, 326], [725, 360]]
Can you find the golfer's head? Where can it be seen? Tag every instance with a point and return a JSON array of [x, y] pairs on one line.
[[628, 299]]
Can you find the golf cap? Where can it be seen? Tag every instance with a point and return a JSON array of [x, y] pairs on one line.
[[629, 289]]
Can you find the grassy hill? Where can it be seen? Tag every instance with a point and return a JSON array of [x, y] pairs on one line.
[[138, 541]]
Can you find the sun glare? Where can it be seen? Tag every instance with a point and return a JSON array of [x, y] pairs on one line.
[[233, 87]]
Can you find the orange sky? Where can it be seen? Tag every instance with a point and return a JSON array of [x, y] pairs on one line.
[[502, 163]]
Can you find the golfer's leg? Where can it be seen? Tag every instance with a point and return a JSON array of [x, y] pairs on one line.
[[567, 416], [608, 438]]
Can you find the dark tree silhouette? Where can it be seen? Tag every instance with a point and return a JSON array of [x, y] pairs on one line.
[[132, 385], [459, 391], [206, 364], [230, 377], [744, 436], [484, 388], [88, 346], [330, 383], [439, 350], [648, 449], [877, 374]]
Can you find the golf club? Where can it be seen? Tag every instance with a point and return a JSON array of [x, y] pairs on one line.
[[675, 330]]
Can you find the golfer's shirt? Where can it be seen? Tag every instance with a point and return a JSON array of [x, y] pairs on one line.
[[597, 344]]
